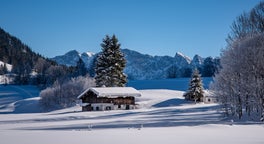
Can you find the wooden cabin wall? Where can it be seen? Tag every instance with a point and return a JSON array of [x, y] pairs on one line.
[[117, 101], [91, 97]]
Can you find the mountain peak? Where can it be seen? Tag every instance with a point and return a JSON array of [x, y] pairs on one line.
[[72, 57], [73, 52], [68, 59], [88, 54], [142, 66], [179, 55]]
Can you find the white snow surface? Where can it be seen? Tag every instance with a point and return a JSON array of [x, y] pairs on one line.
[[8, 66], [163, 117], [89, 54], [113, 91]]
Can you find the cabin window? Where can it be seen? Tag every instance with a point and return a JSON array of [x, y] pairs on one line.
[[108, 108], [97, 108], [127, 107], [119, 106], [209, 100]]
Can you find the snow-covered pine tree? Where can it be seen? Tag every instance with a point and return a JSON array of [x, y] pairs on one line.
[[195, 91], [110, 64]]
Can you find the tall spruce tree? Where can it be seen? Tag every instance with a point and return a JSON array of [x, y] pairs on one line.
[[195, 91], [110, 64]]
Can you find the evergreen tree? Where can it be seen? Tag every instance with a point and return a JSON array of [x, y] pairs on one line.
[[1, 70], [110, 64], [209, 67], [172, 71], [5, 69], [186, 72], [195, 91], [80, 68]]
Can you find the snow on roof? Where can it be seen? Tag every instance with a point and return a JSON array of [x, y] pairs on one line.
[[113, 91], [209, 93]]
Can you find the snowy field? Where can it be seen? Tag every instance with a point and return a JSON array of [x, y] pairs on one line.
[[163, 117], [172, 84]]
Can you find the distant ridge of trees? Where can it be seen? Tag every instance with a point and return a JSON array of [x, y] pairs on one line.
[[31, 67], [208, 68]]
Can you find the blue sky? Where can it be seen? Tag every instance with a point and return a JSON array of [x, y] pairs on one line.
[[155, 27]]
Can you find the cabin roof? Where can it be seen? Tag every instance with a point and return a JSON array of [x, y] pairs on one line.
[[209, 93], [112, 92]]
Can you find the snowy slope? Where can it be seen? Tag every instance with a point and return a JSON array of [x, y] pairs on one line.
[[19, 99], [6, 78], [157, 108], [208, 134], [8, 66], [164, 117]]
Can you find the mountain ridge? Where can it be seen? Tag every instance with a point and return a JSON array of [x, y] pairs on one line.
[[141, 66]]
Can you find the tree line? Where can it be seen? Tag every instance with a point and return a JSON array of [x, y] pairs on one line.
[[208, 68]]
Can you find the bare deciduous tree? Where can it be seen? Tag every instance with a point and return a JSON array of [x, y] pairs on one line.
[[248, 24], [239, 84], [63, 95]]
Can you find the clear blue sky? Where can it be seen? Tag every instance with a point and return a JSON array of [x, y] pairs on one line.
[[155, 27]]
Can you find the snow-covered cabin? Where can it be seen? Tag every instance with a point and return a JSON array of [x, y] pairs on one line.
[[209, 97], [108, 98]]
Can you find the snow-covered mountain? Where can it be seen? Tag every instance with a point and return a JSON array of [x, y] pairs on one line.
[[72, 57], [197, 61], [68, 59], [184, 60], [140, 66]]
